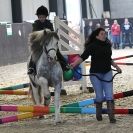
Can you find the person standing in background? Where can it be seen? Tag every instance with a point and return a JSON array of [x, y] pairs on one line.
[[127, 33], [88, 29], [107, 28], [115, 31], [98, 25]]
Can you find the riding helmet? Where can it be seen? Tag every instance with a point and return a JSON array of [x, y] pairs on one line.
[[42, 10]]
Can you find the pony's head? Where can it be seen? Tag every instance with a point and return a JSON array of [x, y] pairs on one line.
[[46, 40], [50, 44]]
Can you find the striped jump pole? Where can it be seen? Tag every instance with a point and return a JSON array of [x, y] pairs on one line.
[[48, 110], [11, 90], [45, 109], [121, 63], [20, 86], [123, 94], [92, 101], [17, 92], [27, 115], [19, 117], [14, 92], [117, 58], [19, 108], [123, 57], [118, 63], [119, 111]]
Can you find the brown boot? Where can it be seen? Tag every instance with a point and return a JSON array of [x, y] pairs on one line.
[[99, 111], [110, 107]]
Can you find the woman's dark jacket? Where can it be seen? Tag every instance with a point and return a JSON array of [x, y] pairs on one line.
[[100, 52]]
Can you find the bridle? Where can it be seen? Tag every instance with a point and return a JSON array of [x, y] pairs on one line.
[[48, 50]]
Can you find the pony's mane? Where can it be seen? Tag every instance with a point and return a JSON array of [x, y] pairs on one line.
[[37, 37]]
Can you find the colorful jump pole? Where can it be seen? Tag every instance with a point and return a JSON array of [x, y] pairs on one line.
[[118, 63], [123, 57], [118, 58], [14, 92], [121, 63], [20, 86], [92, 101], [30, 114], [19, 108], [18, 117], [26, 115], [119, 111], [46, 110], [123, 94]]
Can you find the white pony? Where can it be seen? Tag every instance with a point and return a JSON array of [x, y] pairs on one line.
[[44, 46]]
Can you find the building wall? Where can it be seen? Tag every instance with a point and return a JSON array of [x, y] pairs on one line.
[[73, 13], [5, 11], [121, 8], [97, 8], [29, 8], [13, 46]]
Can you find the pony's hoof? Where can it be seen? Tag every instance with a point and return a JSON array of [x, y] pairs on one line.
[[41, 117], [63, 92], [57, 122]]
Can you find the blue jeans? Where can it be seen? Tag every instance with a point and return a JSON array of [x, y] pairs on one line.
[[116, 39], [103, 90]]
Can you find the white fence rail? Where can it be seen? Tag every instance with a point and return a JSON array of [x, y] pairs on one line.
[[69, 45]]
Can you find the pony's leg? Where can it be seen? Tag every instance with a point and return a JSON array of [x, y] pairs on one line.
[[44, 92], [31, 93], [63, 91], [58, 88], [35, 94]]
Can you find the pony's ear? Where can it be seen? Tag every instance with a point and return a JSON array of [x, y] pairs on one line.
[[56, 30], [45, 32]]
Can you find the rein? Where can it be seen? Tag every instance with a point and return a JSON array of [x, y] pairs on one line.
[[92, 74]]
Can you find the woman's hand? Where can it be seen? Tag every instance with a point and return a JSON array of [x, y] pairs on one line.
[[72, 65], [76, 62], [118, 69]]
